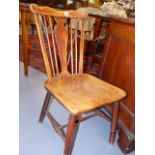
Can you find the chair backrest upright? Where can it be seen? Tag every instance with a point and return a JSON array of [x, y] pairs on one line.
[[61, 35]]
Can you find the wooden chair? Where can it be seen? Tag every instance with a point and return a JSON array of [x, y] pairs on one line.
[[62, 48]]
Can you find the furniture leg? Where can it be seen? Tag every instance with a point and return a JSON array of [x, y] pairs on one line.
[[126, 141], [114, 123], [45, 106], [72, 130], [97, 28], [32, 28], [24, 27]]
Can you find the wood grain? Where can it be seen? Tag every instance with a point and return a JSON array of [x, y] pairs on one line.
[[83, 93], [118, 68], [77, 92]]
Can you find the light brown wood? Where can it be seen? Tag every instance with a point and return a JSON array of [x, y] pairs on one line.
[[81, 48], [61, 33], [43, 47], [50, 11], [83, 93], [71, 46], [79, 93], [76, 47]]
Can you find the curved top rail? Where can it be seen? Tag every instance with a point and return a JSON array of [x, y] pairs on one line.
[[57, 13]]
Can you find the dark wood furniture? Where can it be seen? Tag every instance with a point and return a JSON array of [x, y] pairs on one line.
[[26, 19], [94, 47], [62, 44], [118, 68], [61, 4], [100, 22], [39, 2]]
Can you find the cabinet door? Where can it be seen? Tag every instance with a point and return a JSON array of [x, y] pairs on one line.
[[118, 68], [118, 65]]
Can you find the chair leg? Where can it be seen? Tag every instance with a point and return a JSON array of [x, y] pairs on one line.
[[45, 106], [114, 123], [72, 130]]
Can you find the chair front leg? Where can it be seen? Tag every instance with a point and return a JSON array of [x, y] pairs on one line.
[[114, 123], [73, 126], [45, 106]]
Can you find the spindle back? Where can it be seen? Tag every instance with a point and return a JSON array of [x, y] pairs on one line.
[[61, 35]]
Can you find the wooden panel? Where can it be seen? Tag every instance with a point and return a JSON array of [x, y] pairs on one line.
[[125, 28], [118, 62], [118, 65]]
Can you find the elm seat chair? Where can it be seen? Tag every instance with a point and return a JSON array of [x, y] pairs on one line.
[[62, 44]]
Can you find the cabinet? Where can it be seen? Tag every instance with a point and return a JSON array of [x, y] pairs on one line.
[[39, 2], [62, 4], [118, 67]]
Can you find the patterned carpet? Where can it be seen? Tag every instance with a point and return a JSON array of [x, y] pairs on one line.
[[91, 59]]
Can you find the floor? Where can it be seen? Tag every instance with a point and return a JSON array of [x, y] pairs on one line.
[[41, 139]]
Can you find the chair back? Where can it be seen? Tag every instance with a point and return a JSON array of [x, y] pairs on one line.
[[61, 35]]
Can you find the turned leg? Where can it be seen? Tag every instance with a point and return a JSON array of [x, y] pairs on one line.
[[114, 123], [71, 134], [24, 27], [45, 106]]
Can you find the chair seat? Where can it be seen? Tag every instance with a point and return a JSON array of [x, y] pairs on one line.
[[83, 93]]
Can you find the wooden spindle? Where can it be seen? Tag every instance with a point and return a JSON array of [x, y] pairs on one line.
[[81, 47], [49, 47], [40, 34], [54, 48], [71, 42], [75, 46]]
